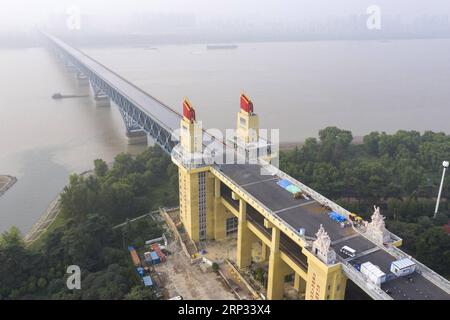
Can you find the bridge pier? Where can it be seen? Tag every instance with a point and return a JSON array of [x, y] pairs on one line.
[[244, 243], [82, 84], [277, 268], [299, 284], [70, 68], [101, 100], [219, 214], [136, 137], [264, 252], [99, 97], [82, 80]]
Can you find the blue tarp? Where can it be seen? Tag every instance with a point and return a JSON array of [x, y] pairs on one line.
[[140, 270], [147, 281], [283, 183], [154, 255], [336, 217], [293, 189]]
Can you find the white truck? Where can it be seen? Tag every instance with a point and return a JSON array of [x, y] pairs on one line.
[[403, 267], [373, 273]]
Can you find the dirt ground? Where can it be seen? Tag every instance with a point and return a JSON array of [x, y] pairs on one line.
[[220, 250], [192, 282], [226, 249]]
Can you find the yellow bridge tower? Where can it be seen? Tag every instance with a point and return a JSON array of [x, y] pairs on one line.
[[212, 206]]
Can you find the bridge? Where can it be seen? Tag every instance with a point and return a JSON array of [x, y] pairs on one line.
[[217, 197]]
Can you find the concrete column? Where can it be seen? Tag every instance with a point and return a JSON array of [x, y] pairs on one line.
[[83, 82], [137, 137], [324, 282], [275, 283], [101, 100], [219, 215], [264, 252], [70, 68], [99, 97], [299, 284], [244, 243]]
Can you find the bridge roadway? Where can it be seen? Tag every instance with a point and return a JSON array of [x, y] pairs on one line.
[[167, 117], [296, 213], [136, 104], [310, 214]]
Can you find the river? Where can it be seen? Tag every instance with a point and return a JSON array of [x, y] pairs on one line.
[[298, 87]]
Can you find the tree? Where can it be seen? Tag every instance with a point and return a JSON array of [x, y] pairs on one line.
[[371, 143], [433, 246], [141, 293], [42, 283], [13, 237], [100, 167], [334, 144]]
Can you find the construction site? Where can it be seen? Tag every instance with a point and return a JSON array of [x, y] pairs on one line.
[[175, 268]]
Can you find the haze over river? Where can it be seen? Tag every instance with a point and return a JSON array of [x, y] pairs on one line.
[[299, 88]]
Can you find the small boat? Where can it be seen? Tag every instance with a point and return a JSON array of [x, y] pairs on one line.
[[57, 96], [64, 96]]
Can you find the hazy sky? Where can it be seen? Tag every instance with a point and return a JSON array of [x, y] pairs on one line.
[[25, 12]]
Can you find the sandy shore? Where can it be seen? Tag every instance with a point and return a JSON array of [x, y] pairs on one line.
[[44, 222], [6, 182]]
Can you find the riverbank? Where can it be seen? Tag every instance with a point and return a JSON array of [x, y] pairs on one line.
[[44, 222], [48, 218], [6, 182], [285, 146]]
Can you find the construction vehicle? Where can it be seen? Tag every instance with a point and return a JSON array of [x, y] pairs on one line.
[[298, 195], [355, 218]]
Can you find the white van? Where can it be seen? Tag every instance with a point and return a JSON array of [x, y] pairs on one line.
[[348, 251]]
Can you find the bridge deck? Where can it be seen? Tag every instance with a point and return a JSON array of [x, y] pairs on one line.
[[163, 114], [310, 214]]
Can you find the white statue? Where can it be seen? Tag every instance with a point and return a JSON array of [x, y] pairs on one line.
[[322, 247], [376, 229]]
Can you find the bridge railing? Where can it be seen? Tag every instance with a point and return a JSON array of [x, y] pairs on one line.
[[363, 282], [189, 161]]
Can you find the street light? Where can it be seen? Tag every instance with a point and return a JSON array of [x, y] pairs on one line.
[[445, 165]]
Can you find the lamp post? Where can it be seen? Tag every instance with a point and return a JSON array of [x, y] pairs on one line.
[[445, 165]]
